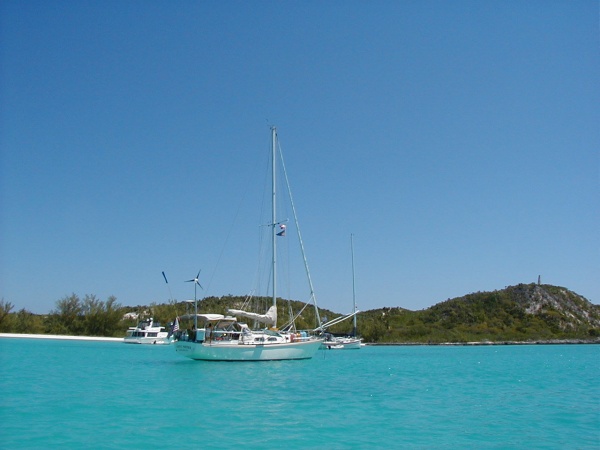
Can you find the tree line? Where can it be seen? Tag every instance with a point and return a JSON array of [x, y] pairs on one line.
[[484, 316], [75, 316], [91, 316]]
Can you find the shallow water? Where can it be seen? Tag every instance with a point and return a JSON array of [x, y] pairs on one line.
[[75, 394]]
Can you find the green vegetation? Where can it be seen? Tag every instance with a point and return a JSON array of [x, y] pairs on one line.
[[518, 313], [72, 316], [91, 316]]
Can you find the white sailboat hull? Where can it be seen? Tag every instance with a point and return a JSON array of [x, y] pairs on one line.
[[352, 345], [234, 351], [342, 344]]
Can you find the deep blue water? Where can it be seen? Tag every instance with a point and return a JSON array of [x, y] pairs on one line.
[[81, 394]]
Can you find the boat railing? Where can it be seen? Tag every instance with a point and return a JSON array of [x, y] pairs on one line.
[[245, 336]]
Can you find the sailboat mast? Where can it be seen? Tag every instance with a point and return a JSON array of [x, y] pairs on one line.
[[274, 212], [353, 287]]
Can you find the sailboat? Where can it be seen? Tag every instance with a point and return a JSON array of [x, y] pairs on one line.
[[218, 337], [345, 342]]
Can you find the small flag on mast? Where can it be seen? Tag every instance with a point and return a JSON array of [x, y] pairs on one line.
[[176, 325], [282, 232]]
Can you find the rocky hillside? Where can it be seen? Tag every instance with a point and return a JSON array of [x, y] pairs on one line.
[[572, 310], [526, 312]]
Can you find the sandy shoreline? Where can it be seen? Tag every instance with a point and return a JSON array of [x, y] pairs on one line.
[[59, 337]]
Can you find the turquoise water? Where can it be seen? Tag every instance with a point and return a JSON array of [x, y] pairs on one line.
[[78, 394]]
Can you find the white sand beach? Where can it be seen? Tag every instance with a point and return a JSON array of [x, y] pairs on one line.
[[59, 337]]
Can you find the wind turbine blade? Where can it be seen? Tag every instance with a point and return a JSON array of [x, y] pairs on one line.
[[165, 277]]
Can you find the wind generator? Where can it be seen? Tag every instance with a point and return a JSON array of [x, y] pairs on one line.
[[196, 283]]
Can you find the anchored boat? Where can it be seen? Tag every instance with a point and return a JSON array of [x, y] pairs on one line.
[[148, 332], [218, 337]]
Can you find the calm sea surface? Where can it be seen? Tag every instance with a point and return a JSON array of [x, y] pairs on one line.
[[79, 394]]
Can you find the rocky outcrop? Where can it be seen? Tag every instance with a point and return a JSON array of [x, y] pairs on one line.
[[570, 309]]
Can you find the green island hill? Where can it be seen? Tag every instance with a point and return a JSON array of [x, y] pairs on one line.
[[525, 313]]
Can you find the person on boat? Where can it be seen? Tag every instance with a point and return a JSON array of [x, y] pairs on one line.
[[209, 330]]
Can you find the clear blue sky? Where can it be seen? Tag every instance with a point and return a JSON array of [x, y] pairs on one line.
[[458, 141]]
